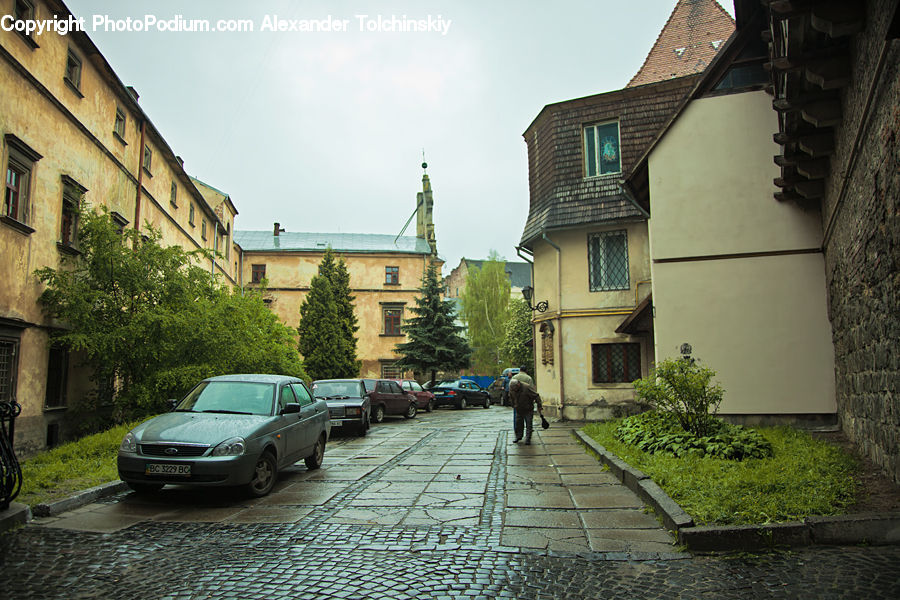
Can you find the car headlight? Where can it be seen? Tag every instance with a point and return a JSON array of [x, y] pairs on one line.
[[129, 443], [231, 447], [353, 412]]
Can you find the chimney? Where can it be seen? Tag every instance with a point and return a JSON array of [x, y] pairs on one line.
[[278, 229]]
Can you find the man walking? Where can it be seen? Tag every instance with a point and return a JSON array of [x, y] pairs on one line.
[[523, 397]]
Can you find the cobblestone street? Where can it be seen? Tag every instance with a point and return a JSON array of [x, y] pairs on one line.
[[442, 506]]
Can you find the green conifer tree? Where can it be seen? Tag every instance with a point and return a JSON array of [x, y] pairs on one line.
[[321, 341], [435, 343]]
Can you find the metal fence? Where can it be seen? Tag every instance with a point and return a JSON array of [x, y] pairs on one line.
[[10, 471]]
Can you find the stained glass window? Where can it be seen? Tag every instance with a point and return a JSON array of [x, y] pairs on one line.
[[601, 149]]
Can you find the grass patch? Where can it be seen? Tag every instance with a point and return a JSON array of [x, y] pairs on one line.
[[71, 467], [804, 477]]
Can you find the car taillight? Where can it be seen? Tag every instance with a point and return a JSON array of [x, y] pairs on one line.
[[451, 393]]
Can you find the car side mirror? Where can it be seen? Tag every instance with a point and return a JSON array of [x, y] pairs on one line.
[[172, 402], [290, 408]]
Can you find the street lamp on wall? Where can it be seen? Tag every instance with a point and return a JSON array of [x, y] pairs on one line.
[[528, 293]]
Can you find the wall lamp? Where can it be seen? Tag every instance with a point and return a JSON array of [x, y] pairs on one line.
[[528, 293]]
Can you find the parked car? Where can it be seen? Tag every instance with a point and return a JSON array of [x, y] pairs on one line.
[[388, 398], [232, 430], [349, 406], [460, 393], [424, 398], [496, 390]]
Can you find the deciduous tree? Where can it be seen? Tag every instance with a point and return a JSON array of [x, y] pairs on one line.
[[484, 310], [150, 321]]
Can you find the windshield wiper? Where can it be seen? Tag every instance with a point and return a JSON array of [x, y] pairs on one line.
[[185, 410], [227, 412], [337, 397]]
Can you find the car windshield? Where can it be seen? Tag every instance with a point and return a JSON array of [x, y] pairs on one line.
[[448, 383], [230, 397], [336, 389]]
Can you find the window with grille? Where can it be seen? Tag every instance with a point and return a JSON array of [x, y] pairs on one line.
[[257, 273], [8, 351], [392, 318], [173, 195], [601, 149], [392, 275], [608, 261], [191, 216], [391, 371], [615, 363]]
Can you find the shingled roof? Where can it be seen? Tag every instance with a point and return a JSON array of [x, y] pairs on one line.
[[692, 36], [560, 195]]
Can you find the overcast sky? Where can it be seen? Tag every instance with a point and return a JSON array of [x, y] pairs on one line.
[[324, 131]]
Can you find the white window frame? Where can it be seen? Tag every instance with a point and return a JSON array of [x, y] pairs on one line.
[[597, 148]]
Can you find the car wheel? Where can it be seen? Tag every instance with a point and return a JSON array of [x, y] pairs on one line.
[[378, 417], [430, 406], [145, 488], [264, 475], [487, 402], [363, 428], [314, 460], [411, 411], [462, 404]]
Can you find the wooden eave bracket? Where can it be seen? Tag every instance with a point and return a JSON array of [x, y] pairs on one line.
[[829, 73], [816, 168], [838, 18], [823, 113]]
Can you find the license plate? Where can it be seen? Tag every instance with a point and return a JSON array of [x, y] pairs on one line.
[[162, 469], [336, 423]]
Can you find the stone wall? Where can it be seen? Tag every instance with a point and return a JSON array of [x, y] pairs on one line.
[[862, 245]]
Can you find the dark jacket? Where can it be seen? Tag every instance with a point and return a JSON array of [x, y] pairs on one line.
[[524, 397]]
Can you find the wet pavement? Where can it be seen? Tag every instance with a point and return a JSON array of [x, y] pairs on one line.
[[442, 506]]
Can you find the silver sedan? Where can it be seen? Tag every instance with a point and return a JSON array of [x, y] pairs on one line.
[[232, 430]]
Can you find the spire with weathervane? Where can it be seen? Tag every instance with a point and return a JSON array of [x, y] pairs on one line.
[[424, 209]]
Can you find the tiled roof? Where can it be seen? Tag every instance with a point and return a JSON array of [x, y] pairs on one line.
[[692, 36], [340, 242]]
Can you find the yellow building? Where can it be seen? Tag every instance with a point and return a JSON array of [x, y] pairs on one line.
[[70, 129], [385, 275], [588, 236]]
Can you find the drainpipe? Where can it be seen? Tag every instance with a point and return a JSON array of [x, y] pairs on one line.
[[240, 273], [559, 329], [140, 181], [212, 269]]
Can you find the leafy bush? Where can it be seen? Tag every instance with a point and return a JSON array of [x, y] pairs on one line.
[[656, 431], [150, 321], [803, 477], [682, 387]]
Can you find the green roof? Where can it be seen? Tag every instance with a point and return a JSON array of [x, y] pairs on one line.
[[339, 242]]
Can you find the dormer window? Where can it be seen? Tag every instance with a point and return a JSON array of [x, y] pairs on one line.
[[601, 149]]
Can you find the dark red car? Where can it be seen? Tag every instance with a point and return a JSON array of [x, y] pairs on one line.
[[387, 398], [424, 398]]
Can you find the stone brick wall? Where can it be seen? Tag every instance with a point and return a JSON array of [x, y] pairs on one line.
[[862, 246]]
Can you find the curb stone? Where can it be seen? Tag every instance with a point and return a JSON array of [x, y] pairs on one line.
[[873, 529], [17, 514], [79, 499]]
